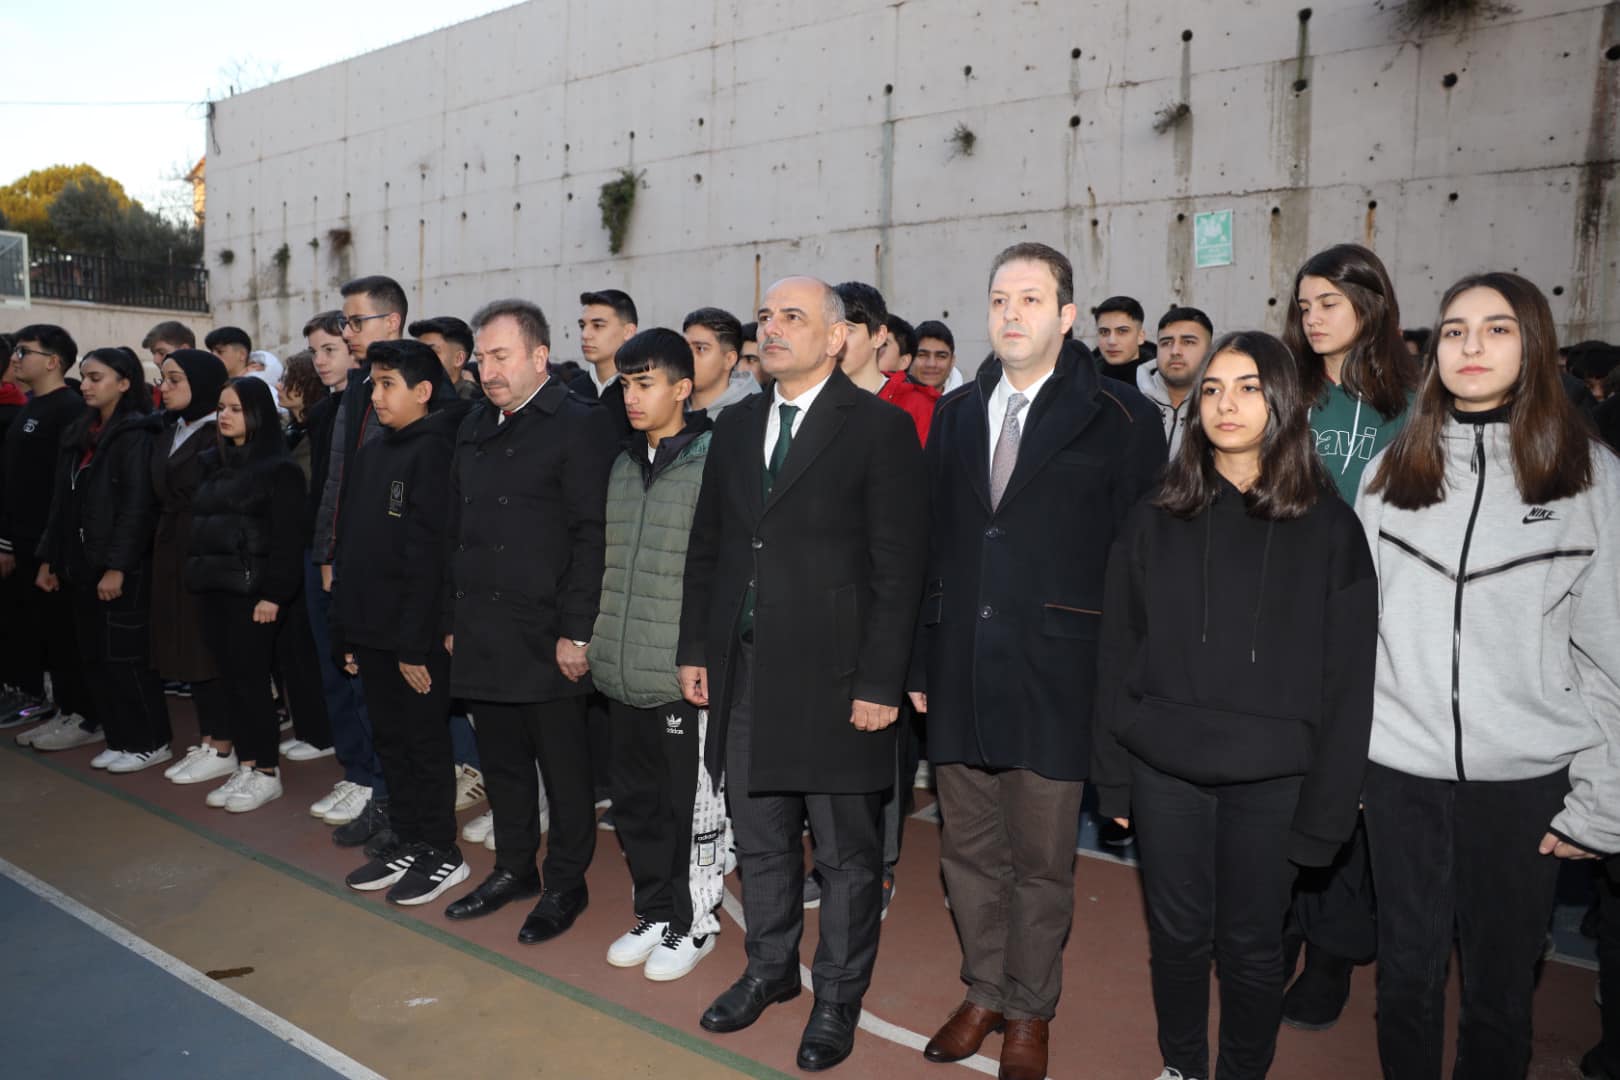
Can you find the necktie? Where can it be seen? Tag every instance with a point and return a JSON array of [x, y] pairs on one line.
[[1006, 455], [784, 443]]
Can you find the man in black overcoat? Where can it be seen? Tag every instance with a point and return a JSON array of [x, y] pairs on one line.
[[1032, 467], [802, 582], [528, 494]]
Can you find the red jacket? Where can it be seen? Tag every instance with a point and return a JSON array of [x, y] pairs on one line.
[[915, 398]]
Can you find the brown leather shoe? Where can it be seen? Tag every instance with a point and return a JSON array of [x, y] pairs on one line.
[[1023, 1051], [963, 1033]]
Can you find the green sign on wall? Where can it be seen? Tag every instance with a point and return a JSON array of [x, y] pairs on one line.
[[1212, 239]]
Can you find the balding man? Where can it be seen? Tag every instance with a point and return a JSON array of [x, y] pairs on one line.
[[803, 577]]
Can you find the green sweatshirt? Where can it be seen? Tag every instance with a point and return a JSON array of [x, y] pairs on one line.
[[1348, 433]]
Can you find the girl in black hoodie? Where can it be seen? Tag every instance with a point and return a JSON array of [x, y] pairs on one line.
[[98, 543], [1235, 697], [246, 565]]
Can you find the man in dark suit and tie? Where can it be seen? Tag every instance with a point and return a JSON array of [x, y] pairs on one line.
[[802, 581], [1032, 468]]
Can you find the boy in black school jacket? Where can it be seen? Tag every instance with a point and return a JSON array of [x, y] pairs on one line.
[[392, 543]]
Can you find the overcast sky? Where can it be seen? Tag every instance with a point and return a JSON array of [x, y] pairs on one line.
[[101, 63]]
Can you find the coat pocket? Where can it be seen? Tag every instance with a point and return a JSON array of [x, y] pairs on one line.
[[1217, 746], [1069, 621]]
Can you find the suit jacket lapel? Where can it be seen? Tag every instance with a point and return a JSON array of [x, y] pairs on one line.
[[974, 443], [751, 465], [1064, 406], [820, 427]]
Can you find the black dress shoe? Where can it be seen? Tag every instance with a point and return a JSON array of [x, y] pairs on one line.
[[741, 1005], [555, 913], [494, 893], [829, 1036]]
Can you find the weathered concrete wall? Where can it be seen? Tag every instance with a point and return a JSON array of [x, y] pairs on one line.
[[94, 326], [778, 137]]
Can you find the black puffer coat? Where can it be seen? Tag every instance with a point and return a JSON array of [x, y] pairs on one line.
[[247, 520], [103, 512]]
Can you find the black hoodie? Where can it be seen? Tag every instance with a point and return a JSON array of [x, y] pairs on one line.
[[1236, 649], [394, 538]]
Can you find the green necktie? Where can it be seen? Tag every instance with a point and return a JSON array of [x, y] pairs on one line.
[[779, 453], [784, 443]]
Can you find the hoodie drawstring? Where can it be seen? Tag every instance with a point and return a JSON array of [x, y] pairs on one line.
[[1209, 515], [1260, 593]]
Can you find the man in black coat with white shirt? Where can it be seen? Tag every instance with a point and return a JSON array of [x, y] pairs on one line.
[[528, 494], [1032, 468], [802, 581]]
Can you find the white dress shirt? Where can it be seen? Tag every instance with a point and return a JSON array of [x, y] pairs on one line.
[[996, 408], [773, 425], [186, 429]]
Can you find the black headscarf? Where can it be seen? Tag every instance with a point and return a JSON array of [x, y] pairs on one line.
[[206, 374], [265, 438]]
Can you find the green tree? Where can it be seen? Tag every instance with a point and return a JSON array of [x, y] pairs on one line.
[[26, 203]]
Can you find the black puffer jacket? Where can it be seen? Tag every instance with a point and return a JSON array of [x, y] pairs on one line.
[[103, 512], [247, 519]]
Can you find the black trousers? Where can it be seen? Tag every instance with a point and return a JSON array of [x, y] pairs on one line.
[[512, 738], [412, 732], [299, 675], [22, 646], [1333, 906], [211, 700], [768, 828], [244, 653], [114, 640], [1216, 878], [1608, 951], [655, 773], [1458, 861], [51, 630]]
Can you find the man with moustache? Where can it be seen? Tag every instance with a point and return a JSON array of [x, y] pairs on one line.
[[1032, 467], [802, 580], [528, 498]]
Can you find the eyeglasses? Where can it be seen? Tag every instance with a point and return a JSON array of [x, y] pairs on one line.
[[22, 351], [352, 322]]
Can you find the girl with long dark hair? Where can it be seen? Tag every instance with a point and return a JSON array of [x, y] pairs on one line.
[[98, 544], [246, 567], [1235, 695], [1344, 328], [1495, 520]]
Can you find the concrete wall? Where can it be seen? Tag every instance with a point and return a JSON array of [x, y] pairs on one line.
[[778, 137], [96, 325]]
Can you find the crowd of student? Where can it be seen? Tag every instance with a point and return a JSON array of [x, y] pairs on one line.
[[1315, 616]]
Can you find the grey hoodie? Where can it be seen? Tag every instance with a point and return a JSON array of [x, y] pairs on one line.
[[742, 386], [1151, 383], [1513, 671]]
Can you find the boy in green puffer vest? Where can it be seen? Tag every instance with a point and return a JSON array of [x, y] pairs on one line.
[[670, 816]]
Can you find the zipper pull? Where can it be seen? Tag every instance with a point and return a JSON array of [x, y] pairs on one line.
[[1475, 462]]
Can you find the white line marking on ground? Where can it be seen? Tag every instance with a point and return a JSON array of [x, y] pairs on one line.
[[877, 1026], [284, 1030]]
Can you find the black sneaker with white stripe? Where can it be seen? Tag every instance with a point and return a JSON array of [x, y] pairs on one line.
[[382, 871], [431, 872]]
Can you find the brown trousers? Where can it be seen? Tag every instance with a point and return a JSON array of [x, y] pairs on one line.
[[1007, 854]]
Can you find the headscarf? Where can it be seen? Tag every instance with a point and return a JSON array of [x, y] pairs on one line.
[[206, 374]]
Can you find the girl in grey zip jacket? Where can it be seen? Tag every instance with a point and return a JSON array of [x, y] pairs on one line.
[[1525, 601]]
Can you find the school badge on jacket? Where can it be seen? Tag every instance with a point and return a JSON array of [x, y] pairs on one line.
[[396, 499]]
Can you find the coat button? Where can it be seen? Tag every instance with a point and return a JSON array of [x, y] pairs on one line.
[[500, 547], [757, 543], [496, 595], [993, 533], [510, 452], [461, 547], [986, 612], [466, 499], [478, 453], [501, 500], [751, 584], [460, 595]]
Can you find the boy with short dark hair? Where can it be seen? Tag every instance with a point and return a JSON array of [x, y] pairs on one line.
[[233, 347], [669, 814], [393, 542]]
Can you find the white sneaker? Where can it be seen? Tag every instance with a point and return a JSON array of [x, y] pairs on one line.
[[133, 762], [105, 758], [208, 765], [303, 751], [320, 806], [254, 791], [479, 828], [27, 736], [676, 955], [217, 797], [1172, 1074], [349, 807], [636, 944], [469, 788], [67, 734], [191, 752]]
